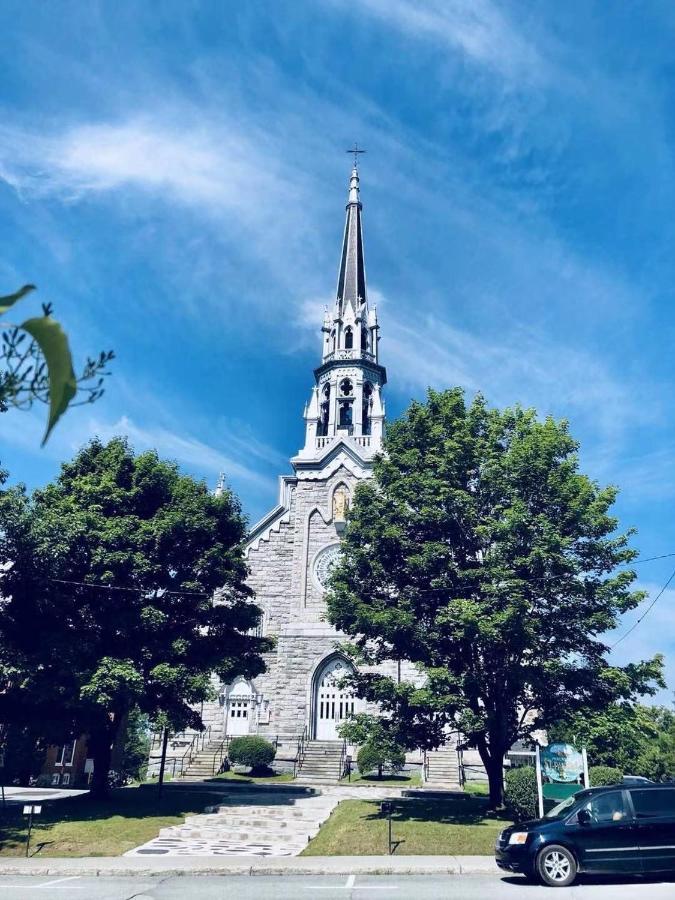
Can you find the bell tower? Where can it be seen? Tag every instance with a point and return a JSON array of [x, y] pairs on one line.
[[346, 404]]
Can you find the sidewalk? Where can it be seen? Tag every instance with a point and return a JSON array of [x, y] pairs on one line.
[[246, 865]]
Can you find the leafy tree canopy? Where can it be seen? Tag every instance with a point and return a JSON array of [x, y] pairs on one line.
[[632, 737], [109, 597], [481, 554]]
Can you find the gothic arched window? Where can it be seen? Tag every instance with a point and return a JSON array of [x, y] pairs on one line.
[[345, 410], [349, 338], [346, 387], [324, 412], [365, 418]]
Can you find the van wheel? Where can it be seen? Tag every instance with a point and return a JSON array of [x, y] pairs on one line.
[[556, 866]]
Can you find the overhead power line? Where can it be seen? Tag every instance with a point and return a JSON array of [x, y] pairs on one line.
[[646, 612]]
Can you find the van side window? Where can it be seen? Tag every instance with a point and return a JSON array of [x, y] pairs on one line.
[[654, 803], [607, 807]]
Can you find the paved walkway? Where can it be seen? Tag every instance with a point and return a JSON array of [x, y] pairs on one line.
[[256, 823]]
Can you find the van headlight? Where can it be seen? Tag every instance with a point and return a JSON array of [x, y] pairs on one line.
[[518, 837]]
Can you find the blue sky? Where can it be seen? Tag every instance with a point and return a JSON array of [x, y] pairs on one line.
[[173, 178]]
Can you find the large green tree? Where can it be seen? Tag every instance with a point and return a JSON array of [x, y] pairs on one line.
[[480, 553], [632, 737], [108, 597]]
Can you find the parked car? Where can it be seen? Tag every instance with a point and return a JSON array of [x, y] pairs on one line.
[[619, 829], [636, 779]]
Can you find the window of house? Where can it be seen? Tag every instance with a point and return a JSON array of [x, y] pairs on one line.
[[66, 779], [56, 777]]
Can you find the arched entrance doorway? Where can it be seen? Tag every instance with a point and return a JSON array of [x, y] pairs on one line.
[[238, 708], [332, 704]]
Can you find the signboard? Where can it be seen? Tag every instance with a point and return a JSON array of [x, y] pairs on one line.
[[32, 810], [561, 763], [562, 770], [88, 766]]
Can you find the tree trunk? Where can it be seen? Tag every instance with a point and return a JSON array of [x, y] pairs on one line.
[[100, 749], [493, 760]]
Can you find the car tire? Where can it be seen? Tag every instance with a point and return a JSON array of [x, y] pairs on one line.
[[556, 866]]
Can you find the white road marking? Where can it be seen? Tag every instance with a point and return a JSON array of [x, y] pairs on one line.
[[349, 885], [59, 881], [58, 884]]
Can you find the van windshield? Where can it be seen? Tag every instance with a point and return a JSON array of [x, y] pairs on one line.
[[561, 809]]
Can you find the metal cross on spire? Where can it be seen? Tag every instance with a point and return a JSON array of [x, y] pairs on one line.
[[355, 150]]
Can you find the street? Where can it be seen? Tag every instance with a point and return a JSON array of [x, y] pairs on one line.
[[326, 887]]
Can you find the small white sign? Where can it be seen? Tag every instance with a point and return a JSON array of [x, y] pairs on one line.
[[36, 810], [88, 766]]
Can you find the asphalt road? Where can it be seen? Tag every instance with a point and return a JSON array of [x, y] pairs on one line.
[[325, 887]]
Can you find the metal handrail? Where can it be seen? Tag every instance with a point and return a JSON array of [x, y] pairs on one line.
[[343, 760], [300, 752], [219, 755]]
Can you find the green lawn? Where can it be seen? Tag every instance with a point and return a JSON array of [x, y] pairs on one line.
[[477, 788], [424, 827], [85, 827], [269, 778], [403, 779]]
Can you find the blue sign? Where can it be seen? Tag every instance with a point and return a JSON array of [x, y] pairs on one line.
[[561, 763]]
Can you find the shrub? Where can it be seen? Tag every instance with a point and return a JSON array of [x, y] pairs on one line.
[[520, 795], [378, 756], [600, 775], [252, 751]]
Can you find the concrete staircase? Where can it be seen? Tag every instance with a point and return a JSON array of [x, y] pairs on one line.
[[246, 824], [201, 765], [321, 762], [443, 769]]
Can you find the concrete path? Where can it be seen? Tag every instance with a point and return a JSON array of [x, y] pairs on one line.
[[255, 823]]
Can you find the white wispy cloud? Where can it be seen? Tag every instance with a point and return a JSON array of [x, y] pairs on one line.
[[245, 463], [480, 29]]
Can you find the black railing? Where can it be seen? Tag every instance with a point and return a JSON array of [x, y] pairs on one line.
[[343, 761], [300, 752], [219, 755]]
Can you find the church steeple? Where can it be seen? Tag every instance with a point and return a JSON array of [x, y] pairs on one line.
[[346, 403], [351, 288]]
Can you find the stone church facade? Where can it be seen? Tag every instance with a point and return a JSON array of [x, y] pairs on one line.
[[291, 550]]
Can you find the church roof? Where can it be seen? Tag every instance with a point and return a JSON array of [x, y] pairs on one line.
[[351, 287]]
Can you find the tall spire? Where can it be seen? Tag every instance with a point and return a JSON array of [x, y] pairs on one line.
[[346, 405], [351, 287]]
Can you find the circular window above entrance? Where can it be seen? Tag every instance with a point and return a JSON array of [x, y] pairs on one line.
[[324, 561]]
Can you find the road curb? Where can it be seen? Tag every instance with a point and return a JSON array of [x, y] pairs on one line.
[[202, 865]]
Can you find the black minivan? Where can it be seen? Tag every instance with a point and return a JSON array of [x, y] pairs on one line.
[[618, 829]]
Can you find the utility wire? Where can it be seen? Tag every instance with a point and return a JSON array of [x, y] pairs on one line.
[[112, 587], [650, 607]]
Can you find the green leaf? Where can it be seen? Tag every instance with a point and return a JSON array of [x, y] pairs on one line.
[[53, 343], [11, 299]]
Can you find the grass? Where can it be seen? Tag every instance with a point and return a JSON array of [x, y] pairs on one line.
[[420, 826], [402, 779], [477, 788], [82, 826], [269, 777]]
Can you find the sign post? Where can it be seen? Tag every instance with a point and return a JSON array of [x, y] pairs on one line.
[[30, 811], [587, 781], [540, 788], [387, 808]]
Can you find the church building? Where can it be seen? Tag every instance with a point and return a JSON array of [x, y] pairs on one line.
[[292, 549]]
